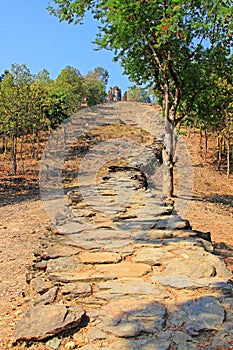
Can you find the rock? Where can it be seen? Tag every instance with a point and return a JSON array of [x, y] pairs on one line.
[[128, 287], [70, 228], [191, 268], [99, 257], [172, 223], [76, 290], [63, 264], [128, 318], [80, 276], [53, 343], [224, 337], [70, 345], [124, 269], [47, 298], [96, 334], [150, 255], [184, 341], [41, 265], [183, 281], [59, 251], [131, 344], [42, 322], [176, 281], [40, 285], [204, 313]]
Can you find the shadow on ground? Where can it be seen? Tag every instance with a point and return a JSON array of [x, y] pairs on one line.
[[17, 189]]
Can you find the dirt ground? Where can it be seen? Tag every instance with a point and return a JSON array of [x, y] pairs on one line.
[[211, 208], [23, 220]]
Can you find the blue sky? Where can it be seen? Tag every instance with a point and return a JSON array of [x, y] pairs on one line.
[[29, 35]]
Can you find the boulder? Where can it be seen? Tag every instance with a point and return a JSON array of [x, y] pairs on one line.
[[42, 322]]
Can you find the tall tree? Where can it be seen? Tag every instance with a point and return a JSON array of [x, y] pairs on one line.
[[28, 105], [100, 74], [95, 91], [95, 86], [136, 93], [43, 77], [160, 43], [14, 105], [69, 83]]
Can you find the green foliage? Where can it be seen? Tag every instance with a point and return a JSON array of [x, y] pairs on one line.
[[31, 104], [43, 77], [70, 84], [94, 91], [100, 74], [136, 93], [167, 45], [158, 43]]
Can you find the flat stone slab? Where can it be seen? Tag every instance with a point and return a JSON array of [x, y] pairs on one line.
[[130, 317], [124, 269], [183, 281], [42, 322], [63, 264], [99, 257], [80, 276], [59, 251], [119, 289], [71, 228], [150, 255], [126, 344], [76, 290], [186, 262], [145, 344], [204, 313]]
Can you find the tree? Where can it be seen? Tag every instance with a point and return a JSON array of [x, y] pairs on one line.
[[28, 105], [162, 44], [100, 74], [69, 83], [212, 109], [43, 77], [14, 102], [95, 86], [136, 93]]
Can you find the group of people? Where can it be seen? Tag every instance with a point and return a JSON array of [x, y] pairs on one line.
[[114, 94]]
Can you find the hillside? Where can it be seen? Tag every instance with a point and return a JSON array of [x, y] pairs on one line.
[[23, 220]]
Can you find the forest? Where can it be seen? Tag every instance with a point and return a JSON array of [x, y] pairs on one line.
[[211, 116], [32, 105]]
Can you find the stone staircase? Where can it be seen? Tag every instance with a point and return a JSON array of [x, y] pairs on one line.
[[119, 268]]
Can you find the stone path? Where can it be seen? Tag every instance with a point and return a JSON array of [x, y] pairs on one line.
[[119, 269]]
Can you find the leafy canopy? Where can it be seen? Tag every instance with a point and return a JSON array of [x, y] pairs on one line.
[[158, 43]]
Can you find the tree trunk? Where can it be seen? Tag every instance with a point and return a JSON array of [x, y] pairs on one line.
[[189, 131], [201, 143], [206, 144], [32, 147], [3, 144], [219, 152], [228, 158], [37, 152], [168, 176], [21, 153], [14, 154]]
